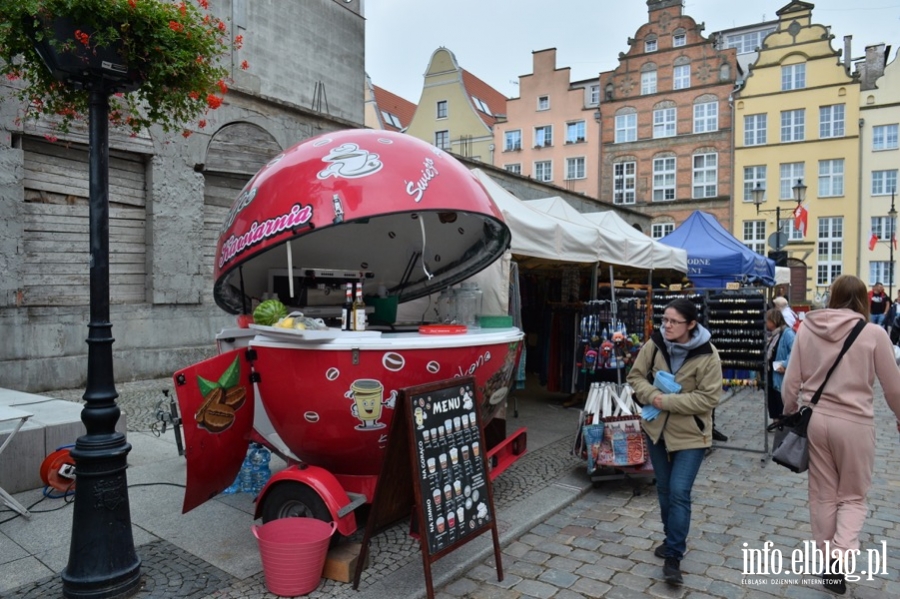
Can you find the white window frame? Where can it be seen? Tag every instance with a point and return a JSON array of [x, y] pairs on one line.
[[752, 176], [442, 139], [787, 227], [512, 140], [664, 122], [576, 132], [788, 173], [884, 137], [651, 45], [543, 136], [704, 175], [664, 179], [593, 95], [831, 121], [793, 76], [648, 82], [679, 39], [706, 117], [442, 109], [626, 128], [576, 168], [624, 182], [660, 230], [884, 182], [543, 103], [543, 170], [831, 178], [755, 129], [681, 76], [829, 249], [755, 235], [515, 168], [881, 227], [880, 272], [793, 125]]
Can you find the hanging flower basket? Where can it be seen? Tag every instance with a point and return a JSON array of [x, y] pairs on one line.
[[79, 64], [167, 58]]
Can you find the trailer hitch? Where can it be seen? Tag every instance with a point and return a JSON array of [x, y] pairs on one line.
[[165, 418]]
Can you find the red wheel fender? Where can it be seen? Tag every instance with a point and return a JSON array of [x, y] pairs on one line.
[[324, 484]]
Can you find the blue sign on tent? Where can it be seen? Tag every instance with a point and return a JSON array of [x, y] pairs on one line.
[[715, 257]]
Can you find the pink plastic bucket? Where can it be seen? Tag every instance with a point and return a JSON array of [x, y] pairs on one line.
[[293, 552]]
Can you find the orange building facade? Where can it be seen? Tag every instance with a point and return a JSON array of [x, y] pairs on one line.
[[666, 117]]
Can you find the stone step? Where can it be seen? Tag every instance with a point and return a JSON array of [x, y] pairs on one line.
[[55, 423]]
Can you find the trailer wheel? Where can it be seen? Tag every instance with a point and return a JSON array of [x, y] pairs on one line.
[[292, 500]]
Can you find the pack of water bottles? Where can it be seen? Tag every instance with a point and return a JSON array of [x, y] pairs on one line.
[[254, 473]]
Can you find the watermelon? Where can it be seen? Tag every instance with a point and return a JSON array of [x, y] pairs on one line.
[[269, 312]]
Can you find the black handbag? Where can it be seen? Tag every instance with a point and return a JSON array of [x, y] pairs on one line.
[[790, 447]]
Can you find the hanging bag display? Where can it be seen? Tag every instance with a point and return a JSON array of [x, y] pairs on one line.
[[791, 445], [623, 440], [586, 417], [593, 431]]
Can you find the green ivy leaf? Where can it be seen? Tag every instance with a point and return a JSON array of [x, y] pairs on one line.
[[231, 376], [206, 386]]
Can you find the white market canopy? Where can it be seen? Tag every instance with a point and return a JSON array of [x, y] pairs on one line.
[[628, 245]]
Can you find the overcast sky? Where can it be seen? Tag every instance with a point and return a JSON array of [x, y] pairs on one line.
[[494, 39]]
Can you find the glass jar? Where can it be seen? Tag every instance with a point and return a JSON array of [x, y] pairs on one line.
[[446, 305], [468, 304]]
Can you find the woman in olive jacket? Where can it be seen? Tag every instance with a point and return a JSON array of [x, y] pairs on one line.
[[679, 436]]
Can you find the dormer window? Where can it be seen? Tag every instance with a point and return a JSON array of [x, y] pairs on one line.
[[543, 103], [481, 105], [650, 45]]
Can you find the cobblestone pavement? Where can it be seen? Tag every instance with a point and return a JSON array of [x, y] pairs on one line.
[[171, 572], [602, 544]]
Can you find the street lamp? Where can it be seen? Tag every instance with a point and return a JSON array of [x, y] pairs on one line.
[[892, 214]]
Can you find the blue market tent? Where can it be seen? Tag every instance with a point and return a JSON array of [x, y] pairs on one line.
[[715, 257]]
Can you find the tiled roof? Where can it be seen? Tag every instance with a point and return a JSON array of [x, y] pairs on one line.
[[394, 104], [487, 94]]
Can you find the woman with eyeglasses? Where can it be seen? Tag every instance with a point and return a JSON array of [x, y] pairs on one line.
[[680, 434]]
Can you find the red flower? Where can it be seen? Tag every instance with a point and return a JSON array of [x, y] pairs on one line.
[[245, 65], [222, 87], [201, 123], [193, 95], [182, 9], [12, 76], [176, 26], [213, 101], [185, 133], [50, 138], [82, 37], [239, 42], [204, 4], [221, 25], [132, 3]]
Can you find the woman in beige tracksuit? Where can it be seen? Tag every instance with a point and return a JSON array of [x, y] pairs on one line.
[[842, 428]]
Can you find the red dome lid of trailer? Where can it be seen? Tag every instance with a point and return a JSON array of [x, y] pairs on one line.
[[403, 213]]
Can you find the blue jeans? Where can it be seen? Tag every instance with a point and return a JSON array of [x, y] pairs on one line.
[[675, 473], [877, 318]]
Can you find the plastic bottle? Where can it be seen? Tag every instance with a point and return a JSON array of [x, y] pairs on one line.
[[260, 472], [245, 477]]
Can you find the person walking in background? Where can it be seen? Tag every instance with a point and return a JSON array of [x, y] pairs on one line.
[[879, 302], [778, 353], [790, 317], [842, 430], [678, 425]]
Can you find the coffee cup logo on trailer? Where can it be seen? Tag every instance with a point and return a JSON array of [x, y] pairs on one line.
[[368, 400]]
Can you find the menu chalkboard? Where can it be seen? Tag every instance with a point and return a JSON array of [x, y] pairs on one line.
[[435, 464], [450, 465]]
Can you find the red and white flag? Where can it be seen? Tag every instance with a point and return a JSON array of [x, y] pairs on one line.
[[873, 240], [801, 219]]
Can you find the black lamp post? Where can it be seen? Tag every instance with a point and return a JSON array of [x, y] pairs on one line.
[[892, 215], [102, 560]]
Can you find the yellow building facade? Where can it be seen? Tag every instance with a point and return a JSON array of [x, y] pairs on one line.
[[796, 121], [457, 111], [880, 112]]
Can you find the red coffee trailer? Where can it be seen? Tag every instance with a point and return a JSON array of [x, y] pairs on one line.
[[406, 220]]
